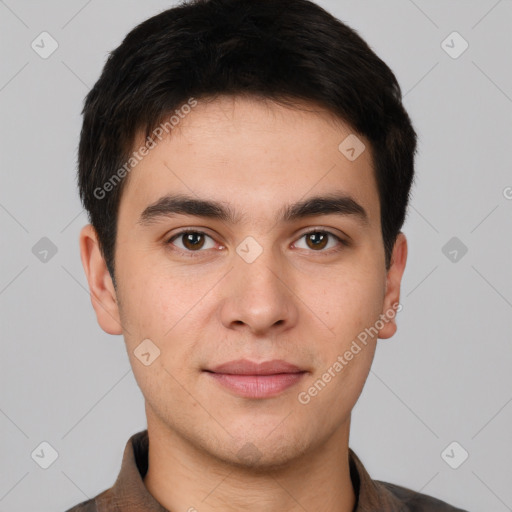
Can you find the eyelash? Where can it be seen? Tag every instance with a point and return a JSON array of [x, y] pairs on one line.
[[193, 254]]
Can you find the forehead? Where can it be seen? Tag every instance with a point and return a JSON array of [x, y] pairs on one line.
[[255, 155]]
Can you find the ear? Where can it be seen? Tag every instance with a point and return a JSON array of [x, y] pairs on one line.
[[393, 281], [102, 291]]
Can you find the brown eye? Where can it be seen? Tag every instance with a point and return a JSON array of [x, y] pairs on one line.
[[191, 241], [318, 240]]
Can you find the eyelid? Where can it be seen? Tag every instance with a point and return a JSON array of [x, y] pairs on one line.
[[337, 233]]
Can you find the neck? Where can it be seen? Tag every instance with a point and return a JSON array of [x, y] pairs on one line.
[[183, 477]]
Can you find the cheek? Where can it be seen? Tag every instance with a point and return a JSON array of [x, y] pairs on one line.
[[350, 303], [153, 305], [162, 310]]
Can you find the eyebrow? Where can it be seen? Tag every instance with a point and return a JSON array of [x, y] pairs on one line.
[[180, 204]]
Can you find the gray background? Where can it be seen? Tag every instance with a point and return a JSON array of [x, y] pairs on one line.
[[444, 377]]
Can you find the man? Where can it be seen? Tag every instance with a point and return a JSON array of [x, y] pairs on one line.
[[246, 166]]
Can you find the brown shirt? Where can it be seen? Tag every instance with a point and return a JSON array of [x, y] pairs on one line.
[[129, 494]]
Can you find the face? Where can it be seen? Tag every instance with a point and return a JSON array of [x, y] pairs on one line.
[[269, 281]]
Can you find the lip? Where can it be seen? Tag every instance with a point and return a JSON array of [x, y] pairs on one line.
[[257, 380], [246, 367]]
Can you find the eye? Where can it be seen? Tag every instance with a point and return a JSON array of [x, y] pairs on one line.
[[192, 241], [318, 240]]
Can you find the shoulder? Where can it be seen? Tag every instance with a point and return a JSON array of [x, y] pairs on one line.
[[417, 502], [85, 506]]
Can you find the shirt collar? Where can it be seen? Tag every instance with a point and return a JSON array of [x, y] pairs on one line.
[[129, 494]]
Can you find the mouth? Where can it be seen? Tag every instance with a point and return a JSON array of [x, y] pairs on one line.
[[256, 380]]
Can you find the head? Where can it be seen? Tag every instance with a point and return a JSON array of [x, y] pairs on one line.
[[235, 117]]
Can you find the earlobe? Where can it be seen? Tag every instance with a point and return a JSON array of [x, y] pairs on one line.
[[102, 292], [393, 283]]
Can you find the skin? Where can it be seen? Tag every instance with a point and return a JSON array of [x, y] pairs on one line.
[[294, 302]]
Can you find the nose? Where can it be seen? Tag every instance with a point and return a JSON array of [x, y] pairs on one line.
[[259, 296]]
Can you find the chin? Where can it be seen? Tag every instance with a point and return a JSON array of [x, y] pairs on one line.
[[262, 453]]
